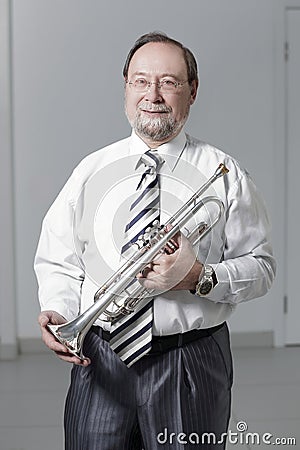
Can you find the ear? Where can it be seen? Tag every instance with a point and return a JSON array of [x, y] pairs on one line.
[[194, 89]]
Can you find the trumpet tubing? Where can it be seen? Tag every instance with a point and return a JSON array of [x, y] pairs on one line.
[[72, 333]]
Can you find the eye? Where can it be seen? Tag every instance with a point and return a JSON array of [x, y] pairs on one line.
[[169, 84], [140, 82]]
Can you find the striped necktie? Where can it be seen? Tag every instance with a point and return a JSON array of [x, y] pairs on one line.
[[131, 336]]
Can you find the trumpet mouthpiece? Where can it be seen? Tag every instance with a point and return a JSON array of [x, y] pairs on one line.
[[221, 170]]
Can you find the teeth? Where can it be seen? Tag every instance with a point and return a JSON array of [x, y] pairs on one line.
[[153, 110]]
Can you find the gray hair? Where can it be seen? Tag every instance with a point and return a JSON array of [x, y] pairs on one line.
[[158, 36]]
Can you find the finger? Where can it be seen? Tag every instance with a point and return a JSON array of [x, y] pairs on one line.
[[176, 239], [168, 227], [171, 246], [51, 342], [72, 359], [63, 353], [43, 320], [145, 271], [50, 316], [173, 243], [55, 345]]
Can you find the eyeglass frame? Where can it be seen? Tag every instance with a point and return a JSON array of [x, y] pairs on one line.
[[159, 84]]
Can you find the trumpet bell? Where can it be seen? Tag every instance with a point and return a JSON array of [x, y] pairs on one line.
[[69, 335]]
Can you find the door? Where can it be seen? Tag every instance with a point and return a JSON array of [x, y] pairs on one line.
[[293, 175]]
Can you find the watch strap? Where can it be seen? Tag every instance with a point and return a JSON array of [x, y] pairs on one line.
[[203, 275]]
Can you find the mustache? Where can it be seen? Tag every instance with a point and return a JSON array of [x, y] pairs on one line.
[[154, 108]]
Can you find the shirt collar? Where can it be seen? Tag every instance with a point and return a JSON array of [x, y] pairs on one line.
[[171, 151]]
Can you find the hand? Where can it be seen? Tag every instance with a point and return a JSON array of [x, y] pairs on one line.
[[177, 271], [49, 340]]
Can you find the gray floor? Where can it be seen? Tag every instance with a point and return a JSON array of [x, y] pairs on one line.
[[266, 399]]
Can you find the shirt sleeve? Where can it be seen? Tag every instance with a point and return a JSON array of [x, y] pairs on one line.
[[58, 264], [248, 267]]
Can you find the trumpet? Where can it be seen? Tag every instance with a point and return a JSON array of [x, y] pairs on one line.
[[116, 297]]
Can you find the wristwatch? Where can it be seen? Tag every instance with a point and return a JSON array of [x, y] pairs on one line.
[[208, 280]]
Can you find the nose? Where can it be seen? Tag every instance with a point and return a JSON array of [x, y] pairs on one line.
[[153, 93]]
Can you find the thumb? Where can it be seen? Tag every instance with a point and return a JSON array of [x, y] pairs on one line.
[[50, 316], [43, 319]]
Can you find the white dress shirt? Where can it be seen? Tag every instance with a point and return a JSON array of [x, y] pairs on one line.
[[82, 233]]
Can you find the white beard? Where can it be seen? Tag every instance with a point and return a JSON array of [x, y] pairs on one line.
[[156, 128]]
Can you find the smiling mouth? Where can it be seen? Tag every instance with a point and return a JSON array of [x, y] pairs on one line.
[[153, 111]]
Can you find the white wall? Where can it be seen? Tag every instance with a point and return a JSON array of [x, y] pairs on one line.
[[68, 101]]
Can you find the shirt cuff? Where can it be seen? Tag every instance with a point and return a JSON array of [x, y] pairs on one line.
[[220, 291]]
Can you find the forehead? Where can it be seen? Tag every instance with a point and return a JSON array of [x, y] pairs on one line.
[[158, 58]]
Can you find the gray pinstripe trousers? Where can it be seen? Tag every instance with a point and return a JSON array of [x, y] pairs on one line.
[[166, 401]]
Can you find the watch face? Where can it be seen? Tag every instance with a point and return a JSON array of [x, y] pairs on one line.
[[206, 287]]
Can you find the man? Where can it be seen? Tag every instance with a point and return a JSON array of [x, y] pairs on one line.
[[175, 392]]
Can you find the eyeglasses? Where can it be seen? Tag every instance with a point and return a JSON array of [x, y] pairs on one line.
[[143, 85]]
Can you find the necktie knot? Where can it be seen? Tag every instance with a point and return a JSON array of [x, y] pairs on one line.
[[152, 160]]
